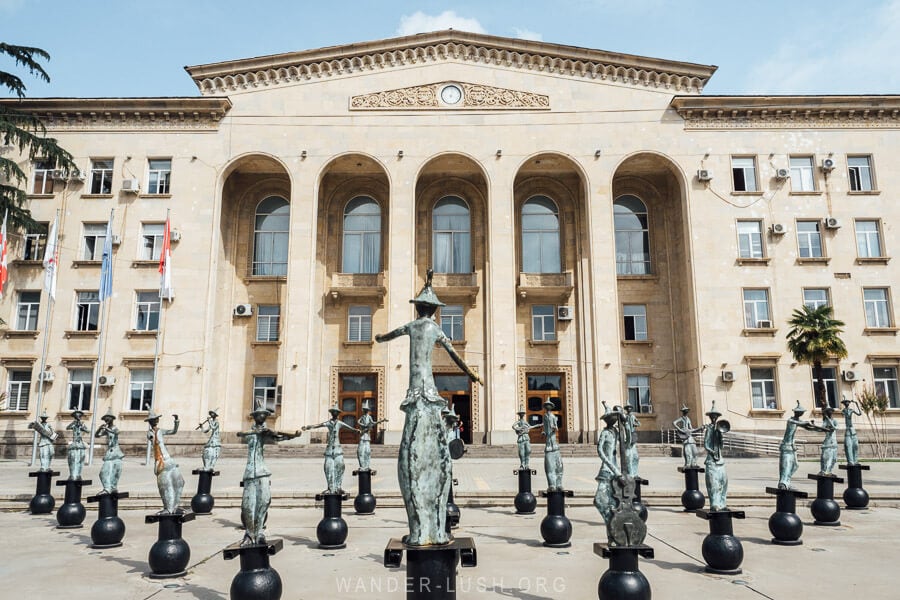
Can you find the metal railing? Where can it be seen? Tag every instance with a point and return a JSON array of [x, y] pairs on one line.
[[736, 442]]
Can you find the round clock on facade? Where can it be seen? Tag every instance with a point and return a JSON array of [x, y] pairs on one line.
[[451, 94]]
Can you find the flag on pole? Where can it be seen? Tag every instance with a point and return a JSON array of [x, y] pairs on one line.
[[106, 264], [166, 289], [4, 242], [51, 259]]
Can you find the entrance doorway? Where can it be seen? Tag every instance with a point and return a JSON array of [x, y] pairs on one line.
[[457, 391], [354, 392], [543, 387]]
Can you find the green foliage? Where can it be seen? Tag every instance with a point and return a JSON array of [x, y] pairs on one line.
[[23, 132], [815, 337], [874, 406]]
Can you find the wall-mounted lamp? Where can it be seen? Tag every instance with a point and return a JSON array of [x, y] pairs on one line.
[[193, 158], [597, 153], [303, 155], [400, 154], [499, 153]]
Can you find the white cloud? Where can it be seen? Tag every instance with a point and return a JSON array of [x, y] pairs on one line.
[[419, 22], [527, 34]]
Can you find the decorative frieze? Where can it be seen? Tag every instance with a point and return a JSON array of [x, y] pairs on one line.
[[473, 97]]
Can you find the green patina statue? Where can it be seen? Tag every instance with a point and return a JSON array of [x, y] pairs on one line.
[[334, 453], [851, 441], [111, 470]]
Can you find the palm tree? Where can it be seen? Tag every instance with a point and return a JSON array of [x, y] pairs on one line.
[[815, 337]]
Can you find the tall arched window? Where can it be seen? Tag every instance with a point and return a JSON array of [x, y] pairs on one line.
[[450, 226], [632, 236], [540, 236], [270, 236], [362, 236]]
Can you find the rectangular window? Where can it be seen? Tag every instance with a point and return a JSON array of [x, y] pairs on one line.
[[750, 239], [877, 305], [80, 386], [802, 174], [886, 385], [639, 393], [756, 309], [743, 173], [452, 322], [27, 307], [543, 323], [43, 177], [868, 238], [141, 397], [359, 324], [265, 392], [816, 298], [35, 243], [147, 311], [268, 321], [762, 388], [152, 240], [92, 241], [18, 389], [635, 321], [829, 376], [101, 176], [87, 311], [160, 173], [809, 239], [860, 173]]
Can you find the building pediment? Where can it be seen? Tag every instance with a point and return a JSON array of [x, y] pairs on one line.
[[449, 46], [450, 95]]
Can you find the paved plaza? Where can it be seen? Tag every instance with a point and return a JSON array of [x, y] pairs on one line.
[[833, 562]]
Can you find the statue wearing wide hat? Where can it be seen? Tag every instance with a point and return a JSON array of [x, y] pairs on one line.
[[366, 425], [714, 444], [47, 437], [168, 476], [334, 453], [787, 463], [213, 445], [111, 470], [685, 432], [553, 465], [76, 449], [523, 439]]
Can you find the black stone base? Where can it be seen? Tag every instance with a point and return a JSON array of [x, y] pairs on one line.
[[365, 501], [71, 514], [332, 529], [256, 580], [170, 554], [855, 497], [825, 511], [623, 580], [431, 570], [722, 551], [556, 529], [108, 530], [525, 502], [692, 498], [43, 502], [202, 503], [784, 524]]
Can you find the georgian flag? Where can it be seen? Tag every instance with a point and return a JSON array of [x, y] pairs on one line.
[[51, 259], [4, 242], [166, 289]]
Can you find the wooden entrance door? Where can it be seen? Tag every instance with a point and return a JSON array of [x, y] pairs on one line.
[[543, 387], [457, 391], [353, 391]]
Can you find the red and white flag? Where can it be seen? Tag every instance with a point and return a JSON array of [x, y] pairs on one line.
[[51, 259], [4, 242], [166, 289]]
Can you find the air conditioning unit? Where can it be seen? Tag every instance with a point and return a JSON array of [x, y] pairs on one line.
[[704, 175], [116, 240], [782, 173], [764, 324], [851, 375], [46, 376], [565, 313], [828, 164], [727, 376], [59, 175], [106, 381], [76, 175], [174, 235], [778, 229], [832, 223], [243, 310], [132, 186]]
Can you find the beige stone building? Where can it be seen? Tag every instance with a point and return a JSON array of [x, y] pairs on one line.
[[599, 230]]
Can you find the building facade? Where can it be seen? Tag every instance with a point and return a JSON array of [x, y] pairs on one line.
[[599, 229]]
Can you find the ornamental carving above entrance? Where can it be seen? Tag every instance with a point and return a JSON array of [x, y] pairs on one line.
[[450, 95]]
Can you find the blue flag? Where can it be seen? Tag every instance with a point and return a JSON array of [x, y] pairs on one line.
[[106, 265]]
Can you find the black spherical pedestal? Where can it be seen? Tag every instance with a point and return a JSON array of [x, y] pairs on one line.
[[623, 580], [525, 501], [169, 554], [784, 524], [722, 551], [42, 503], [692, 498], [332, 529], [556, 529], [256, 580], [108, 530], [364, 503], [431, 570], [202, 503], [71, 514], [824, 509], [855, 497], [639, 504], [453, 512]]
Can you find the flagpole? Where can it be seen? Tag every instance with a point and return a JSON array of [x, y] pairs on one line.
[[104, 292], [163, 300], [51, 302]]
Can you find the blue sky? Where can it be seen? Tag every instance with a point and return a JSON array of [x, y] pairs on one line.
[[106, 48]]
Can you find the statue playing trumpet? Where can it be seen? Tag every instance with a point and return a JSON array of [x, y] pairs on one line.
[[213, 445], [713, 443]]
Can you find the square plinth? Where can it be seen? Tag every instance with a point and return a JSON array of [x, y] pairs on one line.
[[830, 476], [606, 551], [270, 547], [786, 491], [468, 557]]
